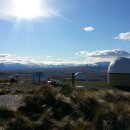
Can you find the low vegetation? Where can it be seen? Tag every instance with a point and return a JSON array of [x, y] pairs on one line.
[[62, 107]]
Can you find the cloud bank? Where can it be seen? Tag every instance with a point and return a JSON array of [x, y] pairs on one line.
[[102, 55], [82, 57], [10, 59], [124, 36]]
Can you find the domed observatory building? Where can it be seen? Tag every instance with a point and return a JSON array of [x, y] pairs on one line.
[[39, 78], [80, 76], [119, 72]]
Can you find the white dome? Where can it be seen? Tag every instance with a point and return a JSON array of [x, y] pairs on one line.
[[80, 76], [119, 65]]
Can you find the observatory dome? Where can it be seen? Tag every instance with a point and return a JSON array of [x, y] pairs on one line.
[[80, 76], [119, 73], [119, 65]]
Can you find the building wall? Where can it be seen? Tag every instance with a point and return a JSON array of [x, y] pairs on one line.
[[119, 80], [39, 78]]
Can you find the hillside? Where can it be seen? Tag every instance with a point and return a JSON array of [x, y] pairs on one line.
[[61, 107]]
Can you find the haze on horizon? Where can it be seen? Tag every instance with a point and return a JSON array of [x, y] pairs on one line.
[[64, 32]]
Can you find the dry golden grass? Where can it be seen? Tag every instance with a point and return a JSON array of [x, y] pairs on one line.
[[50, 108]]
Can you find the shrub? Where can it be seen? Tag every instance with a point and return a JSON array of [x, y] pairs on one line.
[[65, 124], [36, 126], [123, 111], [62, 107], [107, 121], [19, 123], [4, 91], [89, 107], [111, 97], [76, 115], [47, 95], [66, 89], [75, 97], [6, 113], [49, 98], [123, 121], [37, 103], [46, 120], [83, 125], [31, 109], [46, 89]]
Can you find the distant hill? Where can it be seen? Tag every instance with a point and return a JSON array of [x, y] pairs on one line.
[[18, 66], [103, 64]]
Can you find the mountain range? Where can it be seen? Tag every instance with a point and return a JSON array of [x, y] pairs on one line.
[[18, 66]]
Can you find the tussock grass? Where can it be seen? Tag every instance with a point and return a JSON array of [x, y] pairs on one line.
[[19, 123], [6, 114], [64, 108]]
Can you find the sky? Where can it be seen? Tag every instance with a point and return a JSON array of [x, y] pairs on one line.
[[64, 32]]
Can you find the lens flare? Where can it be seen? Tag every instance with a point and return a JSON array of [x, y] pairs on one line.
[[27, 9]]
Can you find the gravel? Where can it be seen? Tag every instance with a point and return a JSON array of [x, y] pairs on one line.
[[12, 101]]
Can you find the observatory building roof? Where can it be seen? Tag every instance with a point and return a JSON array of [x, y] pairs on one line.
[[80, 75], [120, 65]]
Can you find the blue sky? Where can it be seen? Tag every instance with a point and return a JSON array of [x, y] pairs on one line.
[[71, 32]]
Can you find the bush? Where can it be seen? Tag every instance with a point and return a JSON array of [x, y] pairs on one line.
[[89, 108], [75, 97], [107, 121], [123, 121], [49, 98], [46, 89], [62, 107], [6, 113], [31, 108], [19, 123], [4, 91], [116, 97], [66, 89], [39, 102], [45, 122]]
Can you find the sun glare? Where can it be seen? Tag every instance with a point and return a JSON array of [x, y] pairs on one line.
[[27, 9]]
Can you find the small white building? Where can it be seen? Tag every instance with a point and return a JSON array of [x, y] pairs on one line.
[[80, 76], [39, 78], [119, 72]]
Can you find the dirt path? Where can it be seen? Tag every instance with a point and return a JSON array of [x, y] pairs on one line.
[[13, 101]]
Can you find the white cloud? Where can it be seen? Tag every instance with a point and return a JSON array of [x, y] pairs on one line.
[[82, 57], [13, 9], [89, 29], [48, 56], [102, 55], [82, 53], [124, 36], [5, 55], [10, 58]]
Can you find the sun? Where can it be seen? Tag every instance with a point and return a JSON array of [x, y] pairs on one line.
[[27, 9]]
